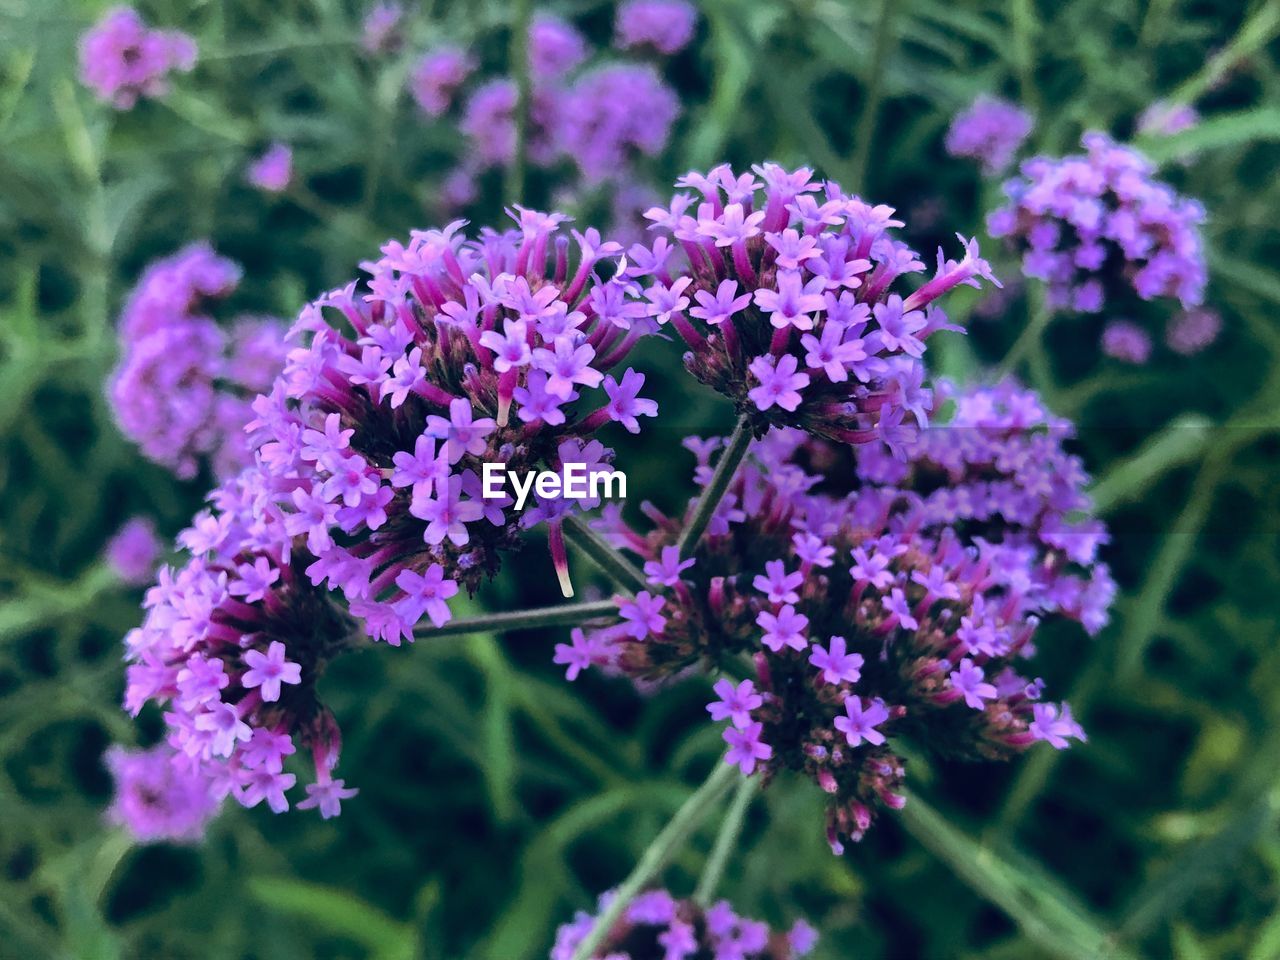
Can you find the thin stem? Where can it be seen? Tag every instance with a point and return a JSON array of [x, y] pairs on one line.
[[1028, 340], [875, 88], [726, 839], [656, 856], [566, 614], [518, 58], [714, 493], [604, 554]]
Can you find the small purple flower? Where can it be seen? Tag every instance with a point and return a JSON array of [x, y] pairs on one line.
[[784, 629], [745, 748], [436, 79], [968, 680], [779, 382], [666, 571], [273, 171], [134, 551], [156, 798], [990, 130], [665, 25], [426, 593], [268, 670], [735, 703], [625, 403], [581, 652], [642, 615], [778, 585], [1124, 340], [555, 47], [836, 663], [122, 59], [381, 30], [859, 724], [1191, 331], [1054, 724], [327, 795]]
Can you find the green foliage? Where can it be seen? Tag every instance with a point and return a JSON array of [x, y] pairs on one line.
[[495, 799]]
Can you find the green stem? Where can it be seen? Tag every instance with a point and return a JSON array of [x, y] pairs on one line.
[[1255, 34], [656, 856], [518, 60], [566, 614], [714, 493], [1028, 340], [604, 554], [726, 839], [870, 115]]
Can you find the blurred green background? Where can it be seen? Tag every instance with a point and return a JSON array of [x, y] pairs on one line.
[[496, 799]]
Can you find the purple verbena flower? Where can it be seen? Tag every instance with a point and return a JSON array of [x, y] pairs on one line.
[[134, 551], [122, 59], [273, 171], [665, 25], [989, 130]]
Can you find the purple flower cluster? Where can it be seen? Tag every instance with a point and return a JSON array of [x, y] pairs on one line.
[[157, 799], [454, 353], [1099, 227], [182, 388], [874, 599], [1124, 340], [574, 110], [272, 171], [122, 59], [233, 644], [657, 926], [134, 551], [784, 290], [381, 31], [989, 130], [665, 25], [1191, 331]]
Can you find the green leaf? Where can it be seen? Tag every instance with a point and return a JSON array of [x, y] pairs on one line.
[[1220, 132], [340, 913], [1046, 912]]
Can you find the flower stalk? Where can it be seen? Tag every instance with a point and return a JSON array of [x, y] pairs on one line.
[[726, 467], [562, 615]]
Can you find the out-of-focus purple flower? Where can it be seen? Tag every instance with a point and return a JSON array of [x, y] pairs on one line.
[[455, 353], [878, 594], [134, 551], [157, 797], [380, 31], [1099, 228], [436, 78], [665, 25], [272, 171], [555, 47], [122, 59], [1164, 119], [1125, 340], [612, 113], [989, 130], [1190, 331], [182, 389], [794, 285], [657, 925], [489, 122]]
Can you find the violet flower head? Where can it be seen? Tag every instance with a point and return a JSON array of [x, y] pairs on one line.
[[381, 30], [436, 78], [990, 130], [786, 291], [455, 353], [183, 386], [665, 25], [612, 114], [232, 646], [157, 797], [1124, 340], [1099, 229], [273, 171], [1191, 331], [657, 926], [555, 47], [879, 598], [1164, 119], [122, 59], [134, 551]]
